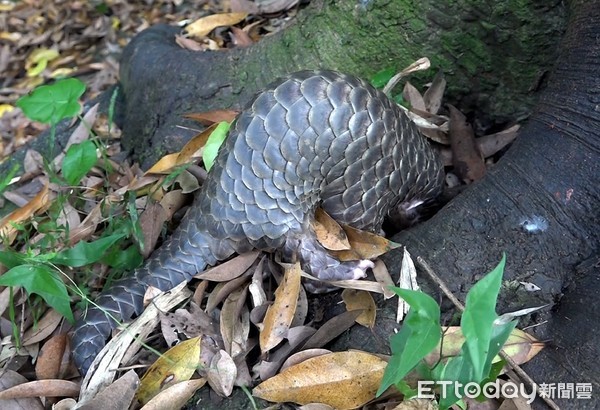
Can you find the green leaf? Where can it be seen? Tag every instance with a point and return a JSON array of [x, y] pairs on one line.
[[42, 281], [419, 335], [52, 103], [85, 253], [80, 158], [10, 259], [127, 259], [214, 142], [478, 319], [380, 79], [5, 180]]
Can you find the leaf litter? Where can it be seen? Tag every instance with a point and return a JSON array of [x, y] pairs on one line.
[[226, 329]]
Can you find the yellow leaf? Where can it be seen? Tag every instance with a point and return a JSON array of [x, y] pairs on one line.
[[343, 380], [178, 364], [164, 165], [201, 27], [211, 117], [193, 145], [8, 36], [361, 300], [365, 245], [4, 108], [38, 60], [23, 213], [62, 72], [176, 396], [329, 233], [280, 314]]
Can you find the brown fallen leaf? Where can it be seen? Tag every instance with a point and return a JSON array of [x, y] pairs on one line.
[[176, 365], [235, 322], [221, 373], [231, 269], [118, 395], [212, 117], [38, 202], [204, 25], [51, 362], [363, 302], [151, 222], [281, 313], [364, 245], [343, 380], [329, 233], [10, 378], [413, 97], [299, 357], [41, 388], [434, 94], [490, 144], [467, 160], [44, 328], [331, 329]]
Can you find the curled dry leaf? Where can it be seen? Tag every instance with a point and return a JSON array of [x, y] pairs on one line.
[[331, 329], [363, 302], [299, 357], [383, 277], [201, 27], [434, 94], [413, 97], [151, 222], [343, 380], [176, 365], [406, 280], [281, 313]]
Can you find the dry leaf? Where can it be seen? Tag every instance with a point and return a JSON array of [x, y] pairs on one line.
[[235, 322], [467, 160], [331, 329], [176, 396], [38, 202], [10, 378], [213, 117], [176, 365], [41, 388], [50, 362], [201, 27], [171, 202], [406, 280], [343, 380], [434, 94], [221, 373], [413, 97], [151, 222], [281, 313], [361, 301], [44, 328], [490, 144], [383, 277], [231, 269], [299, 357], [118, 395], [364, 245], [329, 233]]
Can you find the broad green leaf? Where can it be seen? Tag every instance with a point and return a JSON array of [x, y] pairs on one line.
[[500, 334], [80, 158], [213, 144], [380, 79], [85, 253], [478, 319], [52, 103], [419, 335], [126, 259], [10, 259], [42, 281]]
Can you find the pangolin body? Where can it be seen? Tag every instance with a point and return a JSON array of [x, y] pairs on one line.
[[311, 138]]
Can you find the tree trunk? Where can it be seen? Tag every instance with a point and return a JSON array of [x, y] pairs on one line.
[[494, 55]]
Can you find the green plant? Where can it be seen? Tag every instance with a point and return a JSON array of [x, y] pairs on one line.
[[421, 333]]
